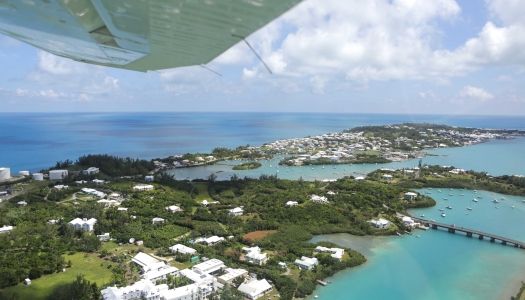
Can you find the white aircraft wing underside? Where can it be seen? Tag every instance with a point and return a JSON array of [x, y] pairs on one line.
[[138, 35]]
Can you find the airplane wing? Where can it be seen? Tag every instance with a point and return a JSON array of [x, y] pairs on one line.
[[137, 35]]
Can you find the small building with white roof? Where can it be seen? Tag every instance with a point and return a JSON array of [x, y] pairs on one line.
[[231, 274], [255, 288], [182, 249], [172, 208], [381, 223], [85, 224], [143, 187], [238, 211], [306, 263], [211, 267], [291, 203], [410, 196], [336, 253], [6, 229]]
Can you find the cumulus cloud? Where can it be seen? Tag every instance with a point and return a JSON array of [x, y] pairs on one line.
[[475, 93]]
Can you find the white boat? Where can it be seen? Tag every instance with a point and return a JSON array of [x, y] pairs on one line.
[[422, 216], [443, 215], [450, 195], [445, 198], [503, 198], [469, 208], [449, 207], [495, 201], [523, 201], [462, 194], [418, 236], [480, 197], [451, 189], [316, 297], [439, 191], [512, 206], [475, 200], [441, 209]]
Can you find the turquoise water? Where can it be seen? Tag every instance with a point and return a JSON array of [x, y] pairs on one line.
[[439, 265], [498, 157]]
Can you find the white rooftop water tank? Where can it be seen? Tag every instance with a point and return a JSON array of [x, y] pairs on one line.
[[24, 173], [38, 176], [5, 173]]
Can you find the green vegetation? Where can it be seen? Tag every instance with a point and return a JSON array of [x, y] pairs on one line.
[[248, 166], [439, 177]]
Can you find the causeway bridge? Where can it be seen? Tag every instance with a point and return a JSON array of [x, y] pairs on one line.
[[469, 232]]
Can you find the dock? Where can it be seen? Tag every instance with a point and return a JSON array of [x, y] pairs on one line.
[[321, 282]]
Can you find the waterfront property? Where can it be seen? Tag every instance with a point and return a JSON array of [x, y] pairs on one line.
[[381, 223], [336, 253], [410, 196], [306, 263], [143, 289]]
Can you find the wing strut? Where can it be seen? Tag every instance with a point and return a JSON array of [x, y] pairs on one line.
[[241, 37]]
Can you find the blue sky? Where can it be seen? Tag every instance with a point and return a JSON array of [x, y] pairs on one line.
[[398, 56]]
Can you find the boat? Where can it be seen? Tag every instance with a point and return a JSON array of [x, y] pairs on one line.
[[447, 199], [503, 198], [495, 207], [475, 200], [439, 191], [480, 197], [469, 208], [450, 195], [422, 216], [441, 209], [449, 207], [495, 201], [512, 206], [523, 201], [462, 194], [418, 236], [316, 297], [451, 189], [443, 215]]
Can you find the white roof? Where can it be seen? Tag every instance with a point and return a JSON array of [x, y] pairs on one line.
[[208, 266], [194, 276], [144, 260], [80, 221], [255, 287], [182, 249], [160, 272], [6, 229], [410, 194], [213, 239], [306, 261], [232, 273], [236, 210]]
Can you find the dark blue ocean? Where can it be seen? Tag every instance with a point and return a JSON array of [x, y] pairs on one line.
[[32, 141]]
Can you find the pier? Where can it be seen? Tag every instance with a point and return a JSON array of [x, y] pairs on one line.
[[469, 233]]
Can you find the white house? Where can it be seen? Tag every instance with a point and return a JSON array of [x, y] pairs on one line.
[[143, 187], [143, 289], [23, 203], [359, 178], [104, 237], [149, 178], [147, 263], [254, 256], [122, 209], [157, 220], [212, 240], [336, 253], [172, 208], [179, 248], [85, 224], [318, 199], [291, 203], [255, 288], [236, 211], [381, 223], [410, 222], [282, 265], [231, 274], [209, 267], [410, 196], [91, 171], [306, 263], [60, 187], [97, 181], [387, 177], [6, 229]]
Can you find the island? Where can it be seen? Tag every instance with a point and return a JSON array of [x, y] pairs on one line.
[[247, 166]]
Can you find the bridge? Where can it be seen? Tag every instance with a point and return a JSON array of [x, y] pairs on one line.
[[469, 232]]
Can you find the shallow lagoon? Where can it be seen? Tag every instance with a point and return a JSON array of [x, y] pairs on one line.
[[439, 265]]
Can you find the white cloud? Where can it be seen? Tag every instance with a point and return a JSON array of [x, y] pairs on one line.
[[51, 94], [504, 78], [475, 93], [318, 84]]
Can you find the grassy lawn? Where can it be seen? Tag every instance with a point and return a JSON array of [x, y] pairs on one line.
[[42, 286], [369, 152], [202, 192]]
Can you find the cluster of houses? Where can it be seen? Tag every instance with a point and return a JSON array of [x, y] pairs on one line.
[[199, 161], [204, 279]]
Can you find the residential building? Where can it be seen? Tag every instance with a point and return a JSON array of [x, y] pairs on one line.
[[85, 224], [387, 177], [143, 187], [61, 187], [318, 199], [104, 237], [157, 220], [195, 291], [336, 253], [122, 209], [149, 178], [231, 274], [160, 273], [255, 288], [410, 222], [282, 265], [97, 181], [213, 240], [236, 211], [143, 289], [410, 196], [23, 203], [6, 229], [173, 208], [27, 281], [291, 203], [381, 223], [91, 171], [179, 248], [306, 263], [255, 256], [211, 266]]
